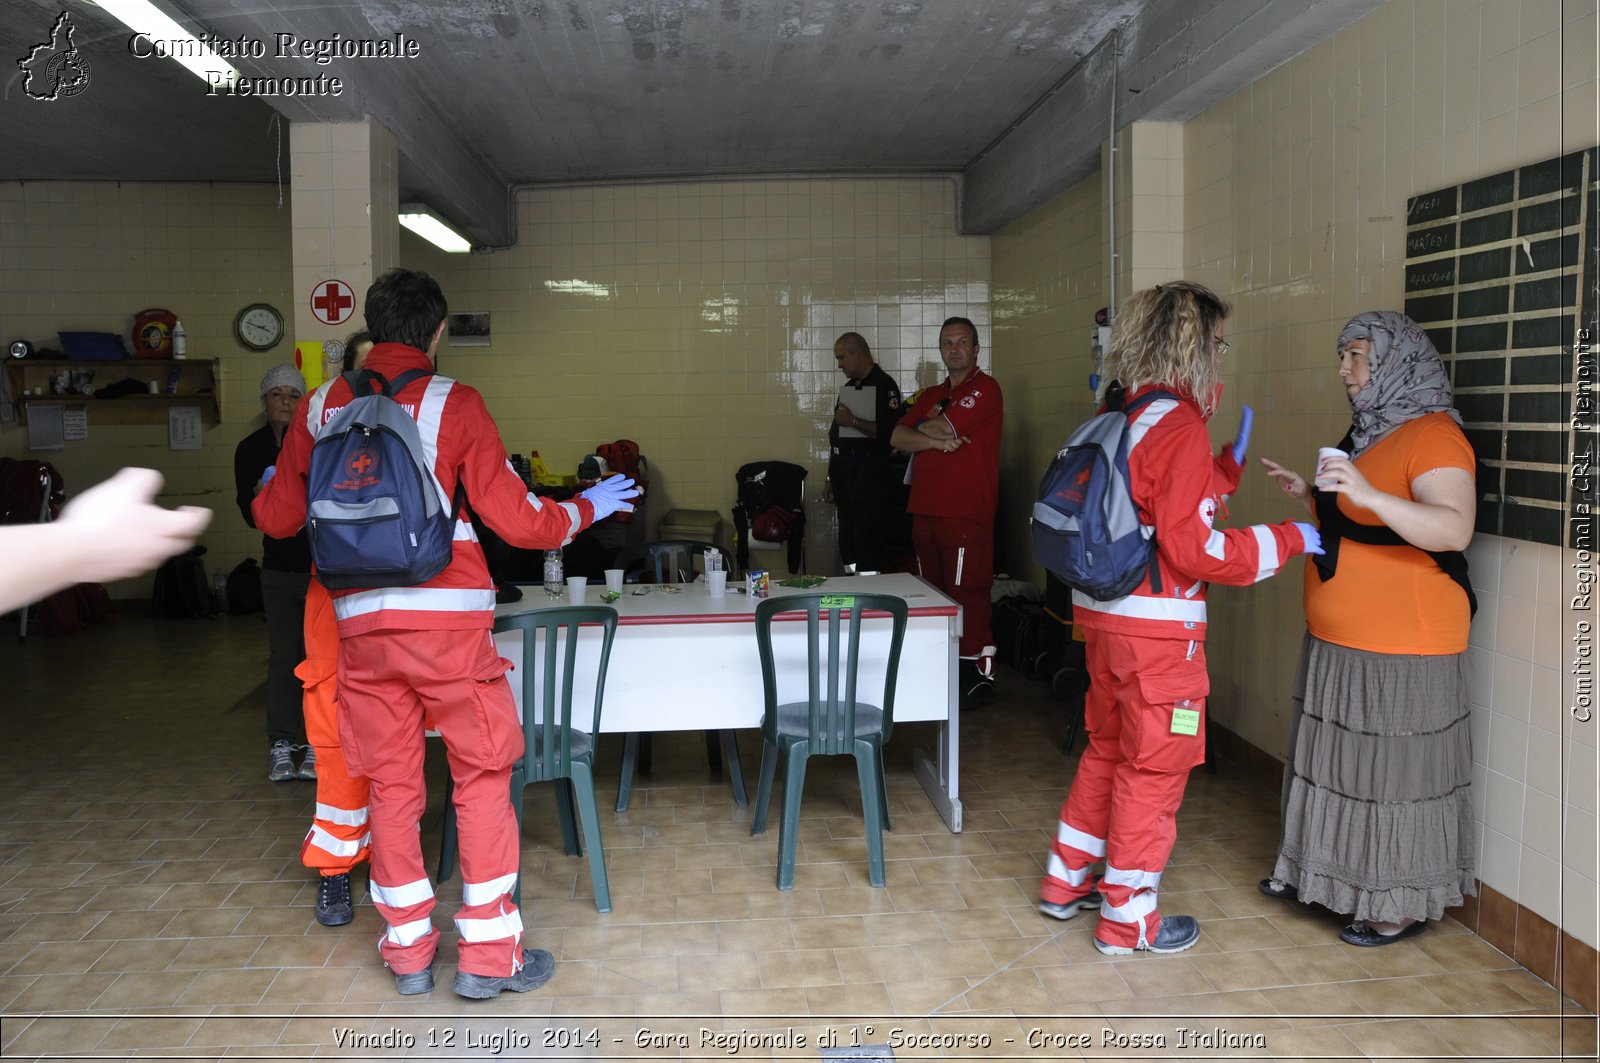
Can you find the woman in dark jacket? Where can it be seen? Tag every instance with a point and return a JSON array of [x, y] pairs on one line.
[[285, 571]]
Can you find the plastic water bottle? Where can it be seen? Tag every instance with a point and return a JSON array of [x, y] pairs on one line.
[[555, 582], [180, 341]]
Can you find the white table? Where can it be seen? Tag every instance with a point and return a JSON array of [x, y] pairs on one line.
[[685, 661]]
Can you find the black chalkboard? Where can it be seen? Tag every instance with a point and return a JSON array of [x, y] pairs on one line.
[[1492, 273]]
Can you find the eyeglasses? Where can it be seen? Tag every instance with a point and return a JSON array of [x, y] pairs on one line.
[[1223, 346]]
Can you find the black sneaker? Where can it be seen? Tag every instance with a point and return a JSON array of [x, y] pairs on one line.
[[1176, 933], [334, 907], [414, 983], [537, 967]]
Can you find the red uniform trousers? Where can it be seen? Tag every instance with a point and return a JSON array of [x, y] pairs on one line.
[[957, 556], [1125, 797], [338, 839], [388, 679]]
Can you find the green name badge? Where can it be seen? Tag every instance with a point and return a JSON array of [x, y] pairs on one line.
[[1185, 722], [837, 601]]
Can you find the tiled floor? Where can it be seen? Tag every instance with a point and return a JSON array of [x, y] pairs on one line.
[[152, 903]]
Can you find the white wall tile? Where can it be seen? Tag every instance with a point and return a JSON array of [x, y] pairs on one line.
[[1580, 842], [1502, 807], [1508, 745], [1519, 568], [1580, 906], [1541, 824], [1511, 682], [1539, 885], [1500, 862], [1582, 781]]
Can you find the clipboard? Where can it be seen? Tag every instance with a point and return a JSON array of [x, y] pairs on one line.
[[863, 402]]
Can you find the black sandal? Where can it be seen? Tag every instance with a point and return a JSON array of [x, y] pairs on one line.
[[1359, 933], [1280, 891]]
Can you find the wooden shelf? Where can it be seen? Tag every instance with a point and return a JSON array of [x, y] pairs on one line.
[[198, 383]]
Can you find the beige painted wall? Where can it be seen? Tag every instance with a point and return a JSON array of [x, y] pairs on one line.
[[1049, 279]]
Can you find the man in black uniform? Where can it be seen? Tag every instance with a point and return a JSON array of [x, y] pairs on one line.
[[858, 462]]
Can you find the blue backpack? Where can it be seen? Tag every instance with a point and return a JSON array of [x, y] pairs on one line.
[[375, 512], [1086, 527]]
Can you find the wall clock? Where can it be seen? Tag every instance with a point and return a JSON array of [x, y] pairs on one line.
[[259, 326]]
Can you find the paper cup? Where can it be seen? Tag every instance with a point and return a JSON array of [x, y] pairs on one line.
[[577, 589], [1323, 456], [717, 583], [614, 580]]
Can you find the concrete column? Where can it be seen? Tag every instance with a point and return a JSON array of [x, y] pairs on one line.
[[345, 195], [1149, 204]]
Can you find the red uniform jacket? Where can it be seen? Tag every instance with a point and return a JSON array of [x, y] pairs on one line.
[[1179, 487], [461, 438]]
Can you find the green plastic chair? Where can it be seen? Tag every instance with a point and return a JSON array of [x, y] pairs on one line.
[[555, 749], [672, 561], [831, 721]]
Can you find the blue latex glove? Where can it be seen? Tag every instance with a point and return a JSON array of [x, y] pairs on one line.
[[267, 474], [611, 495], [1312, 537], [1242, 443]]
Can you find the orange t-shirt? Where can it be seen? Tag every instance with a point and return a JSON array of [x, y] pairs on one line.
[[1394, 599]]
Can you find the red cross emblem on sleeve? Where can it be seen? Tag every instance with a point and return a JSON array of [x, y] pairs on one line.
[[333, 302]]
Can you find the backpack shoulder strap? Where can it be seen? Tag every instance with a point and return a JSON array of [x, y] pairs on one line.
[[1146, 399], [361, 381], [400, 382]]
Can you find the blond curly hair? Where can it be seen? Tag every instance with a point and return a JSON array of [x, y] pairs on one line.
[[1166, 335]]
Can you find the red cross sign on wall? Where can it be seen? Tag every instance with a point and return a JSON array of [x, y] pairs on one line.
[[333, 302]]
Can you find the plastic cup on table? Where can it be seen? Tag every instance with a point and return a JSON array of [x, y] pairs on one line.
[[717, 583], [577, 589], [614, 580]]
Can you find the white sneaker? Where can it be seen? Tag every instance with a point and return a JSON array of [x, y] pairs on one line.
[[986, 663], [281, 765]]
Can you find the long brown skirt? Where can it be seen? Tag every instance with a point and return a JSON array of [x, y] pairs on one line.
[[1377, 788]]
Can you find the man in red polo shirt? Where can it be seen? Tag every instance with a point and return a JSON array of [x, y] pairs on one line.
[[952, 433]]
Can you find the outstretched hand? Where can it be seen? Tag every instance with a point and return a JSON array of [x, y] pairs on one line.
[[122, 532], [1294, 485], [611, 495]]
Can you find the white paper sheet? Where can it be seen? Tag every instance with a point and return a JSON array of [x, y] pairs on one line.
[[44, 428], [183, 428], [863, 402]]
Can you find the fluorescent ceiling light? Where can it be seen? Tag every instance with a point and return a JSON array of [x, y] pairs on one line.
[[422, 221], [579, 287], [184, 48]]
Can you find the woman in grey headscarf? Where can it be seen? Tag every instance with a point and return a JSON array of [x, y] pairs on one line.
[[1377, 798]]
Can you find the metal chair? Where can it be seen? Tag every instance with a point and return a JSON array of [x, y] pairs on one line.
[[672, 561], [831, 720], [555, 749]]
